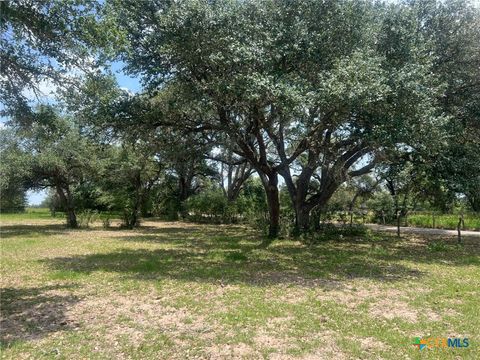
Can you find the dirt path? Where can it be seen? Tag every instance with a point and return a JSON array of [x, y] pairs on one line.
[[428, 231]]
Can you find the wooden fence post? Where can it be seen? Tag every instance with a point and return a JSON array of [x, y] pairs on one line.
[[399, 217], [460, 219]]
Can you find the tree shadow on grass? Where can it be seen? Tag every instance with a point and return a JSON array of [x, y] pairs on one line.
[[232, 255], [188, 229], [357, 251], [12, 231], [32, 313], [240, 263], [218, 255], [201, 241], [149, 229]]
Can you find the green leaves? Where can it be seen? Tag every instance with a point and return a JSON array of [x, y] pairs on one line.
[[51, 41], [356, 80], [50, 152]]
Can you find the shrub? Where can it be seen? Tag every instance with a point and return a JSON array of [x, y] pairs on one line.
[[87, 217], [259, 222], [354, 230], [209, 205]]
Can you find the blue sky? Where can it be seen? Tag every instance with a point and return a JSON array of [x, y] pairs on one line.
[[131, 83], [124, 81]]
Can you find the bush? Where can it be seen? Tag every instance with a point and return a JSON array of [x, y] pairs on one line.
[[259, 222], [209, 205], [87, 217], [354, 230], [130, 218], [287, 225]]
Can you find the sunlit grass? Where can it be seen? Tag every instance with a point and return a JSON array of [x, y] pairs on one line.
[[34, 215], [31, 214]]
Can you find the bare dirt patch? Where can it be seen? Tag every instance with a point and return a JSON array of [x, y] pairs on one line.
[[329, 348], [265, 339], [295, 279], [370, 343], [132, 317], [142, 311], [231, 351], [399, 309], [352, 295]]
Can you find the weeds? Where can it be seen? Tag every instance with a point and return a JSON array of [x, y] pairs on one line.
[[435, 246]]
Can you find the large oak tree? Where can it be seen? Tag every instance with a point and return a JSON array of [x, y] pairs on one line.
[[307, 90]]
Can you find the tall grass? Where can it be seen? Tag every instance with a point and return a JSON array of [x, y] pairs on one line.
[[444, 221]]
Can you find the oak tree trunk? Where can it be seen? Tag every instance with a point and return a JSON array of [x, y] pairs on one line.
[[302, 213], [68, 205], [270, 184]]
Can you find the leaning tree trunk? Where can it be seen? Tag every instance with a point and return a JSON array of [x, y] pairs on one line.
[[399, 220], [184, 186], [71, 218], [298, 193], [351, 205], [68, 205], [319, 201]]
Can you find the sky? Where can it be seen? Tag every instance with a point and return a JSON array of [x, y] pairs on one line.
[[124, 81]]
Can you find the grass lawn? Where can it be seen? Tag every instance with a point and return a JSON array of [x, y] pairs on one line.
[[175, 290], [31, 214], [44, 214]]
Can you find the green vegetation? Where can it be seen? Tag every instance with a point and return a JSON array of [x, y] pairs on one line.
[[31, 214], [176, 290], [444, 221], [36, 213]]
